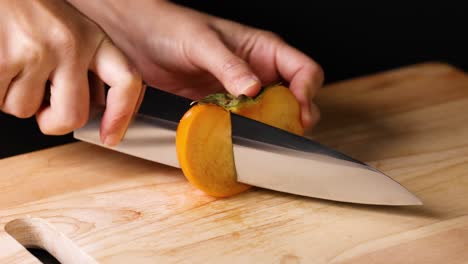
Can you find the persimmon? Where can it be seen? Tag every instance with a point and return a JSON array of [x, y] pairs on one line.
[[204, 142]]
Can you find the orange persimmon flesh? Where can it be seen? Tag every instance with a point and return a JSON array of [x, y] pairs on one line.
[[204, 150], [204, 143]]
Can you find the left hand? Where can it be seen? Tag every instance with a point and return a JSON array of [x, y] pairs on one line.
[[193, 54]]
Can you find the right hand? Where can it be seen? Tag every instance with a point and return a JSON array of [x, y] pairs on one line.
[[49, 40]]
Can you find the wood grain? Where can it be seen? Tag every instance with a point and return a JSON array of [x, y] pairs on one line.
[[411, 123]]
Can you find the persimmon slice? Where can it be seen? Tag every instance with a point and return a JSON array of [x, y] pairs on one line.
[[204, 150], [204, 143]]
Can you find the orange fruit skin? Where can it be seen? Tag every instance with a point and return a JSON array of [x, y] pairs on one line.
[[204, 142]]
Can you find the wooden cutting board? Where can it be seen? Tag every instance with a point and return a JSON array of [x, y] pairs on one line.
[[87, 204]]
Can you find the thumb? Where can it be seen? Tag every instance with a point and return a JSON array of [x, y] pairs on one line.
[[232, 71]]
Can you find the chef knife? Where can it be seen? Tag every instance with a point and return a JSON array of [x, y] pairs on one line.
[[264, 156]]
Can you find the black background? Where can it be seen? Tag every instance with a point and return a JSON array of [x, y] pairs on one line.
[[347, 41]]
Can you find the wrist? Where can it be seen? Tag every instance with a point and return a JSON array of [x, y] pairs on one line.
[[116, 14]]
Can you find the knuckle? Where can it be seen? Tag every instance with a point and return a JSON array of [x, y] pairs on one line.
[[64, 124], [48, 129], [270, 35], [231, 64], [317, 73], [64, 38], [74, 121], [35, 54]]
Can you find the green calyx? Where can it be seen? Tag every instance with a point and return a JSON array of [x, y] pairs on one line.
[[229, 101]]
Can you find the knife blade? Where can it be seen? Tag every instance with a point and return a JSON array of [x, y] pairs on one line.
[[264, 156]]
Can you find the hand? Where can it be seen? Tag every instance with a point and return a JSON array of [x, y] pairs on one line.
[[192, 54], [45, 41]]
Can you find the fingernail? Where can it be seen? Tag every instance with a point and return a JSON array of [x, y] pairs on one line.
[[246, 83], [111, 140]]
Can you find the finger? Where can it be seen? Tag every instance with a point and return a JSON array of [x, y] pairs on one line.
[[26, 92], [113, 68], [303, 75], [4, 83], [233, 72], [8, 72], [68, 107]]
